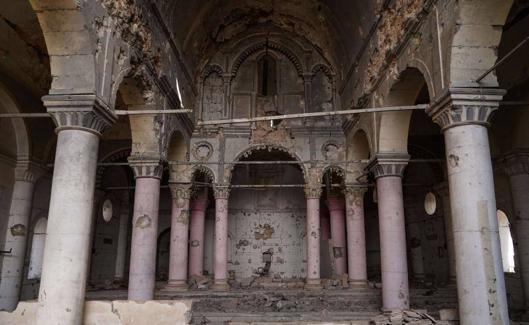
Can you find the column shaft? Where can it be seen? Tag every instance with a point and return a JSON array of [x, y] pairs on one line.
[[356, 239], [395, 290], [336, 210], [313, 238], [122, 240], [66, 253], [15, 242], [480, 279], [179, 236], [142, 274], [196, 242], [221, 239]]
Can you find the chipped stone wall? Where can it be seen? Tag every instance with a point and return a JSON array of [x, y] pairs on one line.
[[271, 220]]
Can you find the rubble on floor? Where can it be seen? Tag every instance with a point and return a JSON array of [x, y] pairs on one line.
[[411, 317]]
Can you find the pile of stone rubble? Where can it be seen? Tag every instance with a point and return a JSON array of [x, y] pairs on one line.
[[405, 317]]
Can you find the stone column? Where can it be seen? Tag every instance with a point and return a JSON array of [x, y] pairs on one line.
[[517, 168], [356, 237], [142, 273], [80, 119], [222, 192], [463, 114], [121, 253], [444, 193], [337, 216], [313, 237], [196, 242], [16, 235], [388, 172], [179, 236]]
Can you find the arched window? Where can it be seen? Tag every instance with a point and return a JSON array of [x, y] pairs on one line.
[[37, 249], [507, 247], [267, 82]]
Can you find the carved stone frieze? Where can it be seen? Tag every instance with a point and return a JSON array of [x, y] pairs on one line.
[[146, 168], [181, 191], [221, 191], [384, 165]]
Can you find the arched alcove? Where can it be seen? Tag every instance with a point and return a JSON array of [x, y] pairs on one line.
[[506, 242], [37, 249]]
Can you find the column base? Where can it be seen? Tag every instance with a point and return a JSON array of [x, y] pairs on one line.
[[313, 284], [353, 284], [220, 285], [176, 285]]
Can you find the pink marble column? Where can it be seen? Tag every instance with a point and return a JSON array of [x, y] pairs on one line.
[[313, 237], [142, 274], [356, 237], [221, 238], [337, 214], [196, 243], [180, 194], [388, 174]]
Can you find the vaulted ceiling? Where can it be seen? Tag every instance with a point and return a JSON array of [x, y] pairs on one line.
[[335, 27]]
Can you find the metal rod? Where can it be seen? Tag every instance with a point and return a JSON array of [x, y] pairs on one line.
[[117, 112], [154, 111], [264, 162], [511, 52], [311, 115]]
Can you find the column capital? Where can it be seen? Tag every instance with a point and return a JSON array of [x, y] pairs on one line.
[[388, 164], [180, 191], [28, 171], [515, 163], [144, 168], [313, 191], [79, 111], [462, 106], [355, 190], [221, 191]]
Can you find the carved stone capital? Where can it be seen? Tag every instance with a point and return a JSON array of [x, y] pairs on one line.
[[313, 191], [384, 165], [28, 171], [516, 163], [146, 168], [221, 191], [356, 191], [462, 106], [84, 112], [181, 191]]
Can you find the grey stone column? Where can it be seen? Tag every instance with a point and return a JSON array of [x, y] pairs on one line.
[[80, 120], [517, 168], [26, 174], [463, 114], [142, 273]]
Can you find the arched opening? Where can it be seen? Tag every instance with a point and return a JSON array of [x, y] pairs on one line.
[[506, 242], [37, 249], [267, 76], [267, 213], [162, 255]]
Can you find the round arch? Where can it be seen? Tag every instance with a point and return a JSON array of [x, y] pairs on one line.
[[9, 104]]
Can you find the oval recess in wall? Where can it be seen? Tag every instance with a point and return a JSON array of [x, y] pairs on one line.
[[430, 203], [107, 210]]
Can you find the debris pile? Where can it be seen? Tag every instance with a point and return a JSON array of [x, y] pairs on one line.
[[405, 317]]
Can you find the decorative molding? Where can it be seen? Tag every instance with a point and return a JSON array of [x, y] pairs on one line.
[[329, 148], [463, 106], [146, 168], [202, 151], [28, 171], [221, 191], [383, 165], [84, 112], [313, 192], [357, 191], [181, 191]]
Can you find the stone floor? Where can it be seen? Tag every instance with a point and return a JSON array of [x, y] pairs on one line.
[[254, 306]]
